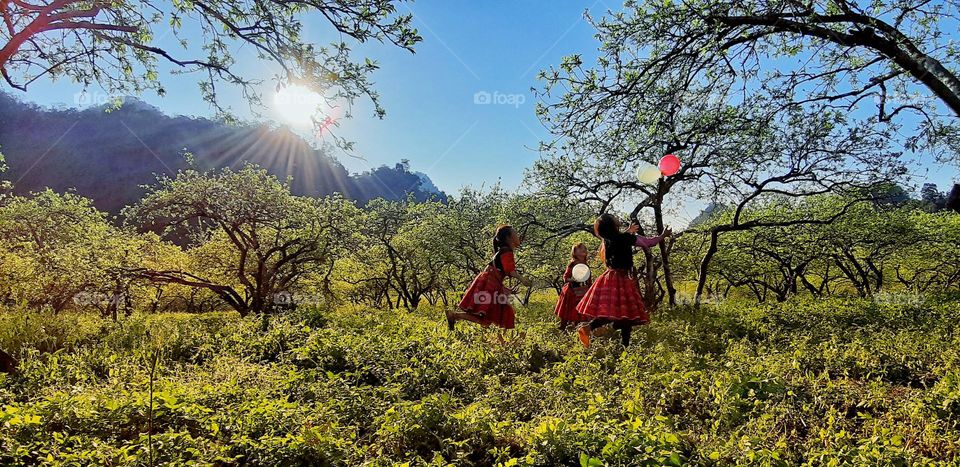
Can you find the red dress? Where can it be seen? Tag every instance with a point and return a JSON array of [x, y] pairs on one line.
[[616, 295], [570, 296], [487, 297]]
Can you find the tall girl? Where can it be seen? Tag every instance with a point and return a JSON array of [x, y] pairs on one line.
[[572, 291], [615, 296], [487, 301]]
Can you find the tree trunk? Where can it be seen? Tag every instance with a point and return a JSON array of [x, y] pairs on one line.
[[8, 364], [650, 291], [705, 266], [665, 255]]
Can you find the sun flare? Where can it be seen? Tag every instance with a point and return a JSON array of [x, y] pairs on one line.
[[298, 105]]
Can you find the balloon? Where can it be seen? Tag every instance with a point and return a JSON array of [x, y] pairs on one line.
[[648, 173], [581, 273], [669, 165]]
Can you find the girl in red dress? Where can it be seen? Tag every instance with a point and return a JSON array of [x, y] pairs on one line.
[[487, 301], [572, 291], [615, 296]]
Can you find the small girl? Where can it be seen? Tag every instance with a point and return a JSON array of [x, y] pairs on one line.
[[615, 296], [572, 291], [487, 301]]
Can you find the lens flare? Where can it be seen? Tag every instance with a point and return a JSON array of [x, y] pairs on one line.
[[298, 105]]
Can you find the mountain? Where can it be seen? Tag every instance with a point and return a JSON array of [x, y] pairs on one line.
[[426, 184], [107, 155], [706, 214]]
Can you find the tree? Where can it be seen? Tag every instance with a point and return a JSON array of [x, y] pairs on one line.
[[408, 239], [862, 244], [932, 263], [161, 297], [804, 155], [843, 54], [601, 139], [734, 153], [58, 251], [117, 45], [932, 197], [468, 226], [550, 226], [262, 239], [776, 259]]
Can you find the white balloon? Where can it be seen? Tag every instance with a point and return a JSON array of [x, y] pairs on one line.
[[581, 273], [648, 173], [642, 167]]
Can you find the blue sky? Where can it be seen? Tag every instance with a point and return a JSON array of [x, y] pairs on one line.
[[495, 47]]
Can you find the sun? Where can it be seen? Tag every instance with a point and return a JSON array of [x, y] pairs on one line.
[[298, 105]]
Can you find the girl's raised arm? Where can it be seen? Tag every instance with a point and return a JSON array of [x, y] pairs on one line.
[[649, 242]]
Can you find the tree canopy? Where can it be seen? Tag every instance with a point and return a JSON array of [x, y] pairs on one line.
[[123, 46], [890, 58]]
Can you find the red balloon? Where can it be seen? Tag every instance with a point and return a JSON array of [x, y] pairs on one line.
[[669, 165]]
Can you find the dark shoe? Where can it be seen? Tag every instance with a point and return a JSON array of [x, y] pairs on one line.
[[450, 320]]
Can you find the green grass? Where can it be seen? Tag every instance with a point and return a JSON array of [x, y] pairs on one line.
[[801, 382]]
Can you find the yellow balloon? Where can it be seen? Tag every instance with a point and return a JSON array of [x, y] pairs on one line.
[[648, 173]]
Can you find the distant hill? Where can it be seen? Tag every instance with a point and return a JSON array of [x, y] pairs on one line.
[[706, 214], [107, 156]]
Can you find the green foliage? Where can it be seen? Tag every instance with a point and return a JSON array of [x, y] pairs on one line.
[[745, 50], [887, 251], [119, 48], [252, 238], [812, 382], [56, 246]]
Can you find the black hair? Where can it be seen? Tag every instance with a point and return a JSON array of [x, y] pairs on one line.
[[606, 228], [502, 237]]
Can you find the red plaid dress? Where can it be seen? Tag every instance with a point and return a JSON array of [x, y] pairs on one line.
[[570, 296], [488, 298], [615, 296]]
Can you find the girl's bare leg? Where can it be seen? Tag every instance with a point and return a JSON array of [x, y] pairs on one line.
[[463, 315], [456, 315]]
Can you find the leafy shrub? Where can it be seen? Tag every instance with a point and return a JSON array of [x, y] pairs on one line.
[[803, 382]]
